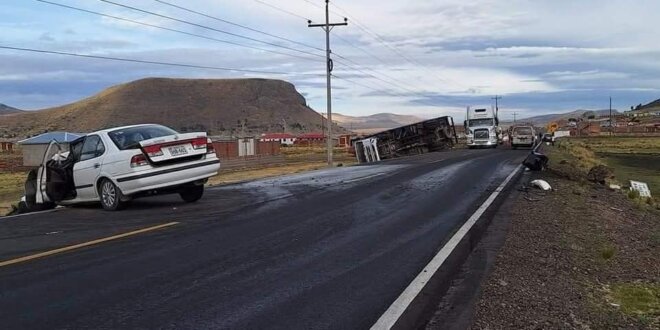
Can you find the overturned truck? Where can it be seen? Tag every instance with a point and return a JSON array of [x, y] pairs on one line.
[[418, 138]]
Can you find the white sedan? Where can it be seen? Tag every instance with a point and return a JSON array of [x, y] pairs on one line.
[[116, 165]]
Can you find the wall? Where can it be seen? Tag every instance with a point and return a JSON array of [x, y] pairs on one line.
[[230, 149]]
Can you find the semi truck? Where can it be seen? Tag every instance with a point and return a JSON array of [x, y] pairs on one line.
[[418, 138], [482, 128]]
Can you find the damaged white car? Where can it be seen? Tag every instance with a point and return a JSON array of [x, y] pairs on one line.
[[116, 165]]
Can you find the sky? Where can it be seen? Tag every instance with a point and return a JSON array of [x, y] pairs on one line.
[[417, 57]]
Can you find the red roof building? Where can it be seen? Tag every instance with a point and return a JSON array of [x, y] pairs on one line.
[[283, 138]]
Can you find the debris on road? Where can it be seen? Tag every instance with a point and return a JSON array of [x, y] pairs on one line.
[[541, 184], [641, 187], [536, 161]]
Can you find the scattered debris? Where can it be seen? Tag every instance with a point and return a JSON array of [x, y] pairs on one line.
[[616, 209], [541, 184], [641, 187], [600, 173], [615, 187], [536, 161]]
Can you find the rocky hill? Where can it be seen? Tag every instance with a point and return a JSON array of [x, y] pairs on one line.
[[5, 109], [542, 120], [229, 107]]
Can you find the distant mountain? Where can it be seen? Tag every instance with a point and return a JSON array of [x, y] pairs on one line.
[[227, 107], [5, 109], [373, 123], [651, 105], [542, 120]]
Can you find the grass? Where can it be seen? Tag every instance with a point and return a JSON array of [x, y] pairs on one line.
[[637, 299], [620, 145], [629, 158], [11, 190]]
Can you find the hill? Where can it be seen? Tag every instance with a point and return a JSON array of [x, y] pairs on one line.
[[374, 123], [542, 120], [5, 109], [226, 107], [651, 105]]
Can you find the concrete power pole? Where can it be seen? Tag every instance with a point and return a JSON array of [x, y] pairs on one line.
[[497, 109], [611, 125], [328, 27]]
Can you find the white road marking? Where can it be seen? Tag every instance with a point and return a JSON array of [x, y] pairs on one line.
[[394, 312], [31, 213], [364, 178]]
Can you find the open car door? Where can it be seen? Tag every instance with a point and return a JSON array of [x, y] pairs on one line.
[[52, 182]]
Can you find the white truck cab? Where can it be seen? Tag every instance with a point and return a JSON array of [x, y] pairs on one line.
[[482, 128]]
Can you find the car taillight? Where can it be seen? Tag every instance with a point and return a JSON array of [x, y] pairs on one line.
[[199, 143], [210, 149], [153, 151], [139, 160]]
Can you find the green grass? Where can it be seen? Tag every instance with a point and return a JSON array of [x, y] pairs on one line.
[[621, 145], [638, 299], [11, 190]]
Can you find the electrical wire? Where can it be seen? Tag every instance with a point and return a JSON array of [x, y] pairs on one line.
[[123, 59], [238, 25], [210, 28], [175, 30]]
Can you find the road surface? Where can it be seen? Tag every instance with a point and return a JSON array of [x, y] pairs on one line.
[[325, 249]]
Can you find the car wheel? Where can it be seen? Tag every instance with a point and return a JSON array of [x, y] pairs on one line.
[[110, 196], [192, 194], [514, 147]]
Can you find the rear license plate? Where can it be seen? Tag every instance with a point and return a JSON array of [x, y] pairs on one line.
[[178, 150]]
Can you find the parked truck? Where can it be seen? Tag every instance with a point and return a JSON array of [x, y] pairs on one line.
[[482, 128], [418, 138]]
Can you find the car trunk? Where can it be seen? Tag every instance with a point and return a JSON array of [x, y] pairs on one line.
[[177, 148]]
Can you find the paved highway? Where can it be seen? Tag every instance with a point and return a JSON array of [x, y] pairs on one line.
[[326, 249]]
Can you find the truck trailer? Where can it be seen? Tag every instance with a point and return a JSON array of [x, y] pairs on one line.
[[418, 138]]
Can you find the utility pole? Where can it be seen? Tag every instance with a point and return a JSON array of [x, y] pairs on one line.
[[328, 66], [611, 127], [497, 109], [514, 117]]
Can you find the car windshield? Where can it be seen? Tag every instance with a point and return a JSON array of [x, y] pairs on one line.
[[481, 122], [130, 137], [523, 130]]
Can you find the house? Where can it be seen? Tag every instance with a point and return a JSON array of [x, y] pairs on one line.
[[34, 148], [311, 139], [283, 138]]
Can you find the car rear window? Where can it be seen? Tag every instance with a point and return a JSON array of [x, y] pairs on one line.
[[129, 138], [523, 130]]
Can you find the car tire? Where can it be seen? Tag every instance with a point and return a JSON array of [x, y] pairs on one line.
[[514, 147], [110, 196], [192, 194]]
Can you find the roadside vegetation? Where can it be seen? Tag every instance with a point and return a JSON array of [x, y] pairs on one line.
[[11, 190], [582, 255]]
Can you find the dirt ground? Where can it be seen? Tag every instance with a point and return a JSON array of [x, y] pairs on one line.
[[581, 256]]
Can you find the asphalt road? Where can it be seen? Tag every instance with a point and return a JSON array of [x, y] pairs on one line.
[[326, 249]]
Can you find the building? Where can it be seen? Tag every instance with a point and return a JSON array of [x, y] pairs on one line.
[[34, 148], [283, 138]]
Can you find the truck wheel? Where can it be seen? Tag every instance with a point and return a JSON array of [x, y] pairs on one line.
[[192, 194], [110, 196]]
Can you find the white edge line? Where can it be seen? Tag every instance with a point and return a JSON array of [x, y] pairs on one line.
[[364, 178], [394, 312], [30, 213]]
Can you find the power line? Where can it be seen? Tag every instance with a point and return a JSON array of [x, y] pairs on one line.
[[352, 45], [238, 25], [282, 10], [378, 38], [175, 30], [123, 59], [209, 28]]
